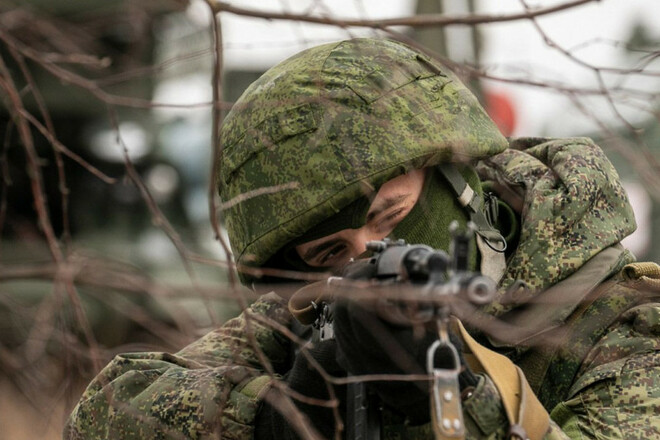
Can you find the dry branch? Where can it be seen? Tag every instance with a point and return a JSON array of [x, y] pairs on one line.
[[417, 21]]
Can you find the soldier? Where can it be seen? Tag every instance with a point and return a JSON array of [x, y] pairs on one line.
[[369, 139]]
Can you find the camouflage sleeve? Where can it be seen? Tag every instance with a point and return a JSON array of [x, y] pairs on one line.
[[210, 389], [617, 396]]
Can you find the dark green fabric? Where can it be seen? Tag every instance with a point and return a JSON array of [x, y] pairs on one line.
[[304, 378], [428, 222], [367, 344]]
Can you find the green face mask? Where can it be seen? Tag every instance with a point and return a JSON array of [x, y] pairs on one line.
[[428, 222]]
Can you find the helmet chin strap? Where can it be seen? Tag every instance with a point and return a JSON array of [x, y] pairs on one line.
[[490, 242]]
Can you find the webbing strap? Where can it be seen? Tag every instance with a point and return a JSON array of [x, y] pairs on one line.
[[469, 199], [490, 242], [255, 388], [466, 195], [522, 407], [493, 263]]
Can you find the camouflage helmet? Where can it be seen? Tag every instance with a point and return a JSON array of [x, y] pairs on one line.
[[323, 127]]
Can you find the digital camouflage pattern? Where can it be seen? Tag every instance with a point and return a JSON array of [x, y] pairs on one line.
[[210, 389], [574, 207], [597, 373], [618, 394], [337, 121]]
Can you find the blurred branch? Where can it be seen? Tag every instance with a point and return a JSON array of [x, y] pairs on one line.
[[16, 108], [416, 21], [92, 272], [59, 147], [73, 54], [216, 140], [41, 104], [91, 86]]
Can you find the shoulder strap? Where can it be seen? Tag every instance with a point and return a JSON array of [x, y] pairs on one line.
[[490, 242], [528, 419]]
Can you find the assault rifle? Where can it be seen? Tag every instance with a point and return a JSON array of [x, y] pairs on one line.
[[439, 280]]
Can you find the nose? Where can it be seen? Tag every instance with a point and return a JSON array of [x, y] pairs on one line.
[[362, 237]]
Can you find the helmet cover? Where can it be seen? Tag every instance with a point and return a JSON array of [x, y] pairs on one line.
[[334, 123]]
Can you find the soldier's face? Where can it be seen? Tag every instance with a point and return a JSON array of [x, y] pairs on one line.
[[394, 200]]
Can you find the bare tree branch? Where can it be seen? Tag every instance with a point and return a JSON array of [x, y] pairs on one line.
[[417, 21]]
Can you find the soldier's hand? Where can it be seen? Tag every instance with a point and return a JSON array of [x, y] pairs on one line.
[[367, 345], [311, 393]]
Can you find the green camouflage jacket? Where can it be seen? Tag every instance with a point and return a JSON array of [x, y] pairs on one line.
[[588, 346]]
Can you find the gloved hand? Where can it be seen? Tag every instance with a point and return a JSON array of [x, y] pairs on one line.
[[369, 345], [305, 379]]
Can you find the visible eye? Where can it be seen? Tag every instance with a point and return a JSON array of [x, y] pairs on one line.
[[391, 217], [394, 215], [332, 254]]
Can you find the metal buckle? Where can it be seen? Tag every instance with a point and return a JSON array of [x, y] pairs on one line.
[[323, 322], [517, 432], [446, 408]]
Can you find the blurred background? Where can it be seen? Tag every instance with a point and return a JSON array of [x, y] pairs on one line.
[[107, 242]]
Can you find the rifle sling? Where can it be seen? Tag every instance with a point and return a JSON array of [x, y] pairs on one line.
[[527, 417]]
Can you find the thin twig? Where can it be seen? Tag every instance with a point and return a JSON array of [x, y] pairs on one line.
[[41, 206], [217, 118], [417, 21]]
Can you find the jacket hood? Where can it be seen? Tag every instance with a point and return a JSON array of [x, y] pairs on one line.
[[572, 207]]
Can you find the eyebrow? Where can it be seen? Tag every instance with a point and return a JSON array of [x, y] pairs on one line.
[[314, 251], [385, 205]]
